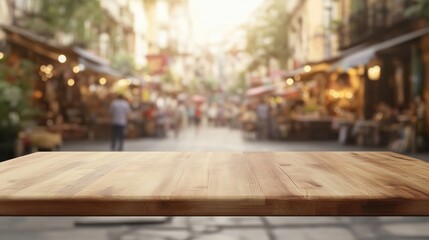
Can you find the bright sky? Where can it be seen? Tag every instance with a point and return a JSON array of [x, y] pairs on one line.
[[213, 19]]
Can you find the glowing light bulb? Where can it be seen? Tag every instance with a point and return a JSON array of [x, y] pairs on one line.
[[307, 68], [62, 58], [70, 82], [102, 81], [76, 69]]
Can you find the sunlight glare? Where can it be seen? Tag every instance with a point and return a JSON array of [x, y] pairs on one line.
[[220, 16]]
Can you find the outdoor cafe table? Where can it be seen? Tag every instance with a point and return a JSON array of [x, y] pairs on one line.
[[214, 183]]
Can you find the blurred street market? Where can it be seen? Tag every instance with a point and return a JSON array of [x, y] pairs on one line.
[[265, 68], [224, 75]]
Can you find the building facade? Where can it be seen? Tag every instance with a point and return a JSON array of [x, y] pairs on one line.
[[390, 44], [4, 19], [310, 31], [396, 38], [127, 18], [170, 46]]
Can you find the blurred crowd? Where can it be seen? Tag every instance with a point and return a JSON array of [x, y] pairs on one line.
[[178, 114]]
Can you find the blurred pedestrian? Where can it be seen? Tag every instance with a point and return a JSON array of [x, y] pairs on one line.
[[248, 120], [263, 112], [177, 118], [119, 111], [161, 122], [197, 117], [212, 113], [191, 113], [149, 117]]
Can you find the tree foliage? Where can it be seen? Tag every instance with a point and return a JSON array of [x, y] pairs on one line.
[[124, 62], [78, 18], [15, 92], [420, 9], [267, 34]]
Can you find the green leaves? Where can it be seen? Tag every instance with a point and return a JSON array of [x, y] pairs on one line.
[[78, 18], [419, 9], [124, 62], [16, 93], [267, 35]]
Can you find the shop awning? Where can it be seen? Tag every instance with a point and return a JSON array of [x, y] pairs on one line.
[[95, 63], [99, 68], [37, 44], [364, 56], [290, 92], [293, 73], [315, 67], [256, 91], [90, 56], [49, 49]]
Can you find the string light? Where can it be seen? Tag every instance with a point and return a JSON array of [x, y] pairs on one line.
[[71, 82], [46, 72], [334, 93], [307, 68], [289, 81], [1, 55], [62, 58], [102, 81], [374, 73], [76, 69]]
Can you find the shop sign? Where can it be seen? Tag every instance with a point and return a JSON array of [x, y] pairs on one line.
[[157, 64]]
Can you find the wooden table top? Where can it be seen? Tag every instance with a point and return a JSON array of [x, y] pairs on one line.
[[214, 183]]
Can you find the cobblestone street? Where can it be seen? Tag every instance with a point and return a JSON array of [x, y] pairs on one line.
[[213, 228], [220, 139]]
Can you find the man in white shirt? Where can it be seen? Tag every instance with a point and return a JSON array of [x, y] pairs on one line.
[[119, 110]]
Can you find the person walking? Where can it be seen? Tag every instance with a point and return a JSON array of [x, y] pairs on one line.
[[263, 111], [177, 116], [119, 111], [198, 117]]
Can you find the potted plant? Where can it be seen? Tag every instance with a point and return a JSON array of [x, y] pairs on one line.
[[15, 102]]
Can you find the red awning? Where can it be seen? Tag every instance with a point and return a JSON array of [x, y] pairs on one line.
[[290, 92], [259, 90]]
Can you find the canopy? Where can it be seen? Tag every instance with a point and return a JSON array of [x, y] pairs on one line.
[[90, 56], [315, 67], [35, 43], [290, 92], [256, 91], [364, 56], [99, 68]]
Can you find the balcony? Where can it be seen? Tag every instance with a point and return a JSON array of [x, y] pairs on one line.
[[373, 21]]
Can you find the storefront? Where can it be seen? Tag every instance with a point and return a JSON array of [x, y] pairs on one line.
[[391, 92], [73, 88]]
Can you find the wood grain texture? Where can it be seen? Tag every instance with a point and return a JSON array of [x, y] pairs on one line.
[[214, 183]]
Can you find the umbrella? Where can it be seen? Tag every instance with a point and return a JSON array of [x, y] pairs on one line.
[[198, 98]]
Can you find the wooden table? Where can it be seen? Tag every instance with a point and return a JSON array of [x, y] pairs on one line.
[[214, 183]]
